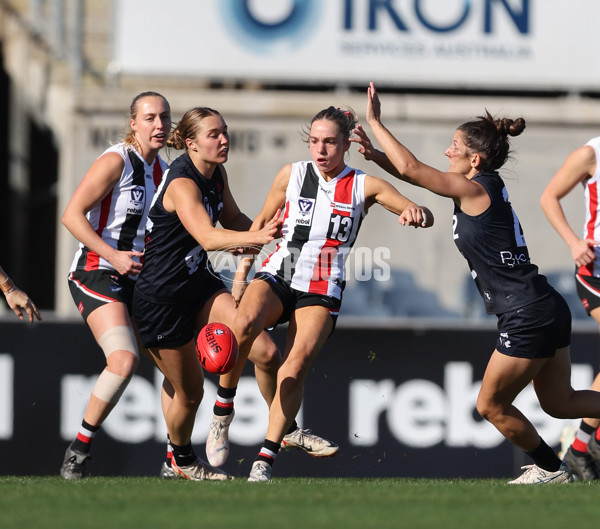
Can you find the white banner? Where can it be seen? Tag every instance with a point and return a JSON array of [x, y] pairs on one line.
[[499, 44]]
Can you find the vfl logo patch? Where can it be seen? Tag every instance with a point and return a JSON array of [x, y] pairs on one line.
[[135, 206], [305, 207]]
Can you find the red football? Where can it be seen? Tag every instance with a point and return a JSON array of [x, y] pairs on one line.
[[217, 348]]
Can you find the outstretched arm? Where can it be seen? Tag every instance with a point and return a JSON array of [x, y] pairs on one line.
[[183, 197], [408, 168], [410, 214], [578, 167]]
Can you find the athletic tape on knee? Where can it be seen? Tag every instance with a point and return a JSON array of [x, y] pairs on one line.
[[109, 386], [120, 338]]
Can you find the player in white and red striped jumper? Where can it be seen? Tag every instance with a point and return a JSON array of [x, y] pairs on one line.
[[582, 166], [324, 203], [107, 214]]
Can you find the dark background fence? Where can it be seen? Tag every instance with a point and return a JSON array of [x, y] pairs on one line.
[[398, 401]]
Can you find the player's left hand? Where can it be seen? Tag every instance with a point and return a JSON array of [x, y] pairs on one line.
[[413, 216]]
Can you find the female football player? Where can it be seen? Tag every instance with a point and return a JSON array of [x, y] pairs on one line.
[[325, 202], [177, 291], [534, 321], [107, 215]]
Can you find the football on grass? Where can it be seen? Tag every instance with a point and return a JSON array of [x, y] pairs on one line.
[[217, 348]]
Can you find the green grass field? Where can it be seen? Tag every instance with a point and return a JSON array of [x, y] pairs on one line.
[[144, 503]]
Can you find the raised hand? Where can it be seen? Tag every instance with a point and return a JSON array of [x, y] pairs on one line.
[[373, 104]]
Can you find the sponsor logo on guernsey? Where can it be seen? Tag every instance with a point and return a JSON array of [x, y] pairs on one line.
[[511, 259], [305, 209], [135, 206], [170, 337], [341, 206], [504, 340]]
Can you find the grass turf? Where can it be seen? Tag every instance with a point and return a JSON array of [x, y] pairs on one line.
[[289, 503]]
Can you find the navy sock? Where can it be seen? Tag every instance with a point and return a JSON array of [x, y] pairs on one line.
[[292, 428], [183, 455], [544, 457]]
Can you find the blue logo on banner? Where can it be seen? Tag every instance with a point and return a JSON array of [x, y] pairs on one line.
[[442, 29], [244, 25]]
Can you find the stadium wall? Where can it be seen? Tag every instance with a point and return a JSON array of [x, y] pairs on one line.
[[398, 399], [77, 113], [265, 130]]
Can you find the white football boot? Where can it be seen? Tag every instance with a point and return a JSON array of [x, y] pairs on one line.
[[534, 474], [261, 472], [309, 442], [199, 471], [217, 443]]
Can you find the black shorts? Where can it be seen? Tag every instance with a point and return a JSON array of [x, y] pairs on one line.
[[95, 288], [172, 324], [536, 330], [588, 289], [293, 299]]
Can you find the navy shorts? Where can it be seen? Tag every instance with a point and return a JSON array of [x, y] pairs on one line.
[[169, 325], [536, 330], [293, 299], [588, 289], [93, 288]]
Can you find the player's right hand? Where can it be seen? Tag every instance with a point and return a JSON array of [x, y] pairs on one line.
[[125, 264]]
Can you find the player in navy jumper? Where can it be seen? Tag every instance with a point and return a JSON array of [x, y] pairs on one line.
[[534, 321], [177, 291]]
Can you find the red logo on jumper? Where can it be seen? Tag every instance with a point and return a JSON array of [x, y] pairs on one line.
[[80, 307]]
